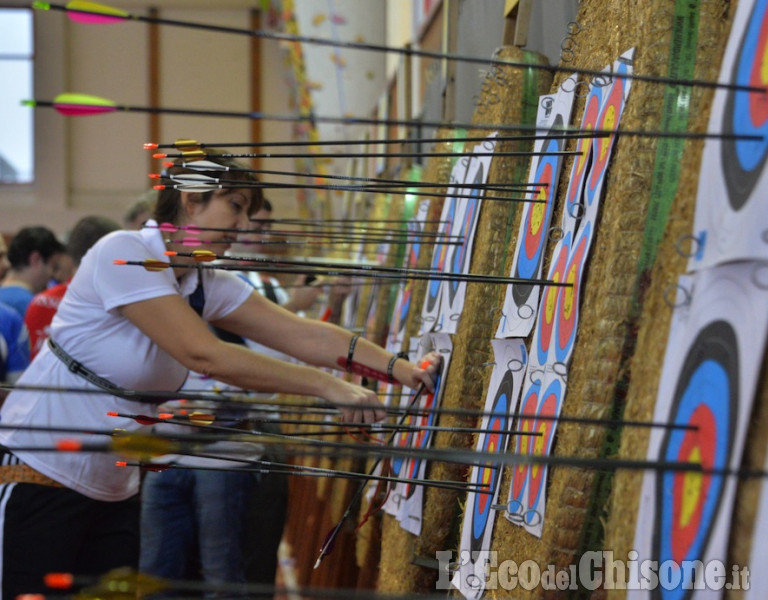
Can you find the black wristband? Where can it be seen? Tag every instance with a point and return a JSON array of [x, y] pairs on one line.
[[391, 365], [351, 351]]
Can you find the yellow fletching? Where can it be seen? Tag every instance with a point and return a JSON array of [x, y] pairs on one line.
[[203, 255], [96, 7], [142, 447], [199, 418], [152, 264]]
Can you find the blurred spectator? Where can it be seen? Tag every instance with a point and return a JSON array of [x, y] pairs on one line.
[[140, 211], [4, 264], [44, 305], [33, 254], [14, 346], [302, 294]]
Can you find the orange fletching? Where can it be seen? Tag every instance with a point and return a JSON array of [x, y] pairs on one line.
[[69, 446], [59, 581]]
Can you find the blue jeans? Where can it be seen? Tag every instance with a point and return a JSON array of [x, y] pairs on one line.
[[183, 509]]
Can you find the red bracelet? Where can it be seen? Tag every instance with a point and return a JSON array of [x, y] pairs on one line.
[[360, 369]]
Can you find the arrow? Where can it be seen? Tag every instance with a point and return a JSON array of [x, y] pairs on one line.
[[196, 242], [200, 182], [260, 466], [327, 546], [401, 238], [285, 404], [95, 13], [128, 583], [207, 165], [348, 269], [78, 105], [200, 154], [557, 133], [347, 230]]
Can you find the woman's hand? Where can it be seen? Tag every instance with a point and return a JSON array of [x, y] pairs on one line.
[[425, 372], [357, 404]]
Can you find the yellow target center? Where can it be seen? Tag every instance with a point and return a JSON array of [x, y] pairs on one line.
[[764, 66], [692, 486], [537, 218], [568, 293], [608, 123]]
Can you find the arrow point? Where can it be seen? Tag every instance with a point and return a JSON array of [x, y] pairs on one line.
[[59, 581], [69, 446]]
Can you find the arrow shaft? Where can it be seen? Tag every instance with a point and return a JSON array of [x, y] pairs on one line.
[[412, 52], [556, 133], [358, 270], [384, 189], [239, 401]]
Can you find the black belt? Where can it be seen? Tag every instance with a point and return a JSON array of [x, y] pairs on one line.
[[81, 370]]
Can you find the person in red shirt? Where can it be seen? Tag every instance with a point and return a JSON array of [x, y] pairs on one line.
[[86, 233]]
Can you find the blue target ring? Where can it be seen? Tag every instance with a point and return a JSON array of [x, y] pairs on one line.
[[490, 474], [706, 395], [532, 250], [747, 112]]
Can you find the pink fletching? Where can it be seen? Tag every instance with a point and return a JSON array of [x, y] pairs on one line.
[[92, 19], [168, 227], [193, 230], [191, 241], [81, 110]]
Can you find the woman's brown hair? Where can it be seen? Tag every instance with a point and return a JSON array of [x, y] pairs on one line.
[[168, 205]]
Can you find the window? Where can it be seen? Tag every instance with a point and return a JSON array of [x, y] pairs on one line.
[[16, 75]]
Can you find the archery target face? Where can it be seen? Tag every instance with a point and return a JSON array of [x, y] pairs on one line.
[[706, 396], [732, 200], [510, 358], [711, 368], [521, 301], [575, 201], [567, 313], [410, 495], [745, 112], [551, 400], [421, 439], [545, 324], [524, 444], [538, 217], [610, 115], [490, 474]]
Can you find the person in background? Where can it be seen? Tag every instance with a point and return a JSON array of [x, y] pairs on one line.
[[32, 253], [221, 525], [86, 232], [131, 328], [14, 346], [14, 341], [63, 269], [302, 294], [140, 211], [4, 264]]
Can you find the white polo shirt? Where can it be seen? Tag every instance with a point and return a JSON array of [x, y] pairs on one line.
[[90, 328]]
